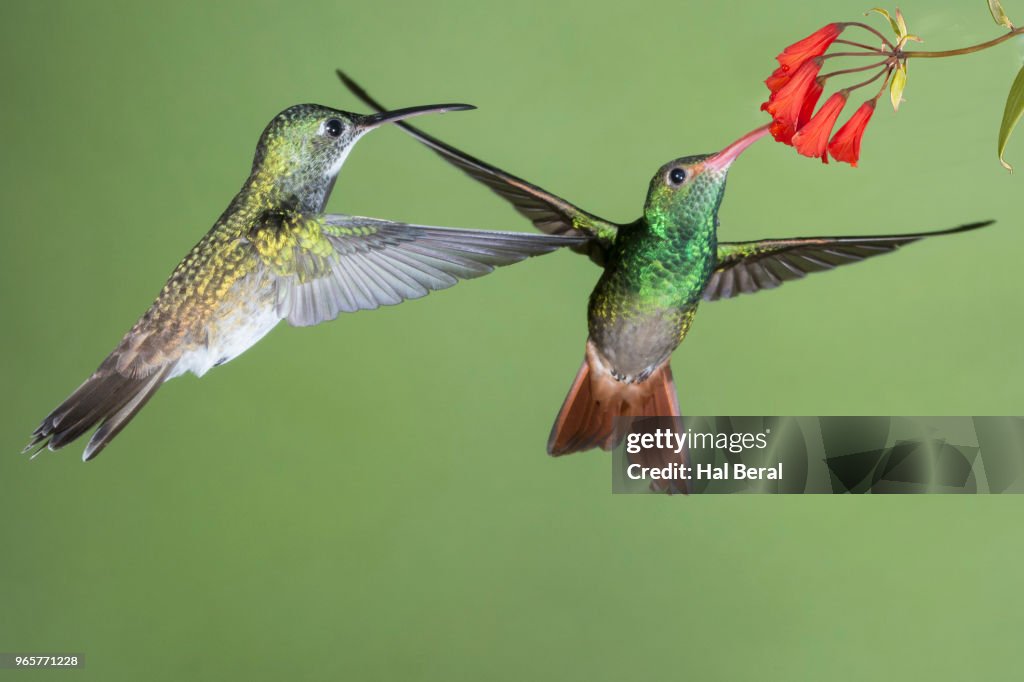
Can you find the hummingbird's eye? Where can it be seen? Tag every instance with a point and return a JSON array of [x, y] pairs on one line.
[[677, 176], [333, 127]]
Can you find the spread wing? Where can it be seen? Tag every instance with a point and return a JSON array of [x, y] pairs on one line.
[[746, 267], [549, 213], [347, 263]]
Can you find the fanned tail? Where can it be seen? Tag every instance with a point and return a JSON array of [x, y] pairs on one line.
[[107, 398], [596, 398]]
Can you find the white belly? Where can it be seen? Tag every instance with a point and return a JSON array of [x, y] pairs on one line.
[[236, 330]]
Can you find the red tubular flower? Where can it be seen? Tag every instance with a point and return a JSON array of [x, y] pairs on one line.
[[812, 139], [810, 47], [810, 101], [778, 78], [800, 52], [845, 144], [787, 105]]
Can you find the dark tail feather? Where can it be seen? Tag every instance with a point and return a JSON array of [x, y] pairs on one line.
[[107, 398], [587, 417]]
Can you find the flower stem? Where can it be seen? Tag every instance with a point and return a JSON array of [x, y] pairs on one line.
[[921, 54], [856, 44], [855, 70], [872, 30], [871, 80], [873, 53], [888, 73]]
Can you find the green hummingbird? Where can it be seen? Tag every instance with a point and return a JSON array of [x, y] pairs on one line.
[[273, 254], [657, 270]]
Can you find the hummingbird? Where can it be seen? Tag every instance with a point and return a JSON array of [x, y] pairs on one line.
[[275, 255], [656, 272]]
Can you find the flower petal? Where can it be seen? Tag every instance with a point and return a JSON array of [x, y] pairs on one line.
[[787, 104], [812, 139], [779, 77], [810, 47], [810, 101], [845, 144]]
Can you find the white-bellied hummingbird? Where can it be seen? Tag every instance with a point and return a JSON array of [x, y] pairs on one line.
[[274, 255]]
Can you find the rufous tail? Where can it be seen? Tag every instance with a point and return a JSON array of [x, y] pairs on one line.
[[587, 417]]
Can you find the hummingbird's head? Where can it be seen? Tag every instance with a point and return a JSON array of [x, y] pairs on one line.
[[303, 148], [687, 192]]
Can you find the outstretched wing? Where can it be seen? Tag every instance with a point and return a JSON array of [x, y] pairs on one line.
[[549, 213], [746, 267], [350, 263]]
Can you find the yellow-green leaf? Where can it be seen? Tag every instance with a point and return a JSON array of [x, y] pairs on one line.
[[901, 24], [996, 8], [899, 81], [1011, 115], [892, 22]]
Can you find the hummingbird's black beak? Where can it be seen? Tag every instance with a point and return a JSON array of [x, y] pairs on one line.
[[373, 120]]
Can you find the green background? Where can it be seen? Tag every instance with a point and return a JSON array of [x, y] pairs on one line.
[[370, 499]]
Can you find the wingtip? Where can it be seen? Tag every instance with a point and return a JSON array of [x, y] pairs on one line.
[[959, 229], [356, 89], [976, 226]]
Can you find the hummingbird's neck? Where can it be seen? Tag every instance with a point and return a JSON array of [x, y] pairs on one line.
[[687, 246], [303, 194], [686, 227]]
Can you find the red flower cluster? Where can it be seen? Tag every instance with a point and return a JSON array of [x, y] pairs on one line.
[[796, 88]]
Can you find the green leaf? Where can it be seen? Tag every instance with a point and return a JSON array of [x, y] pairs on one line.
[[1011, 115], [892, 22], [901, 23], [899, 81], [996, 8]]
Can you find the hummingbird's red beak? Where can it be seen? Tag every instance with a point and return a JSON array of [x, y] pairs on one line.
[[723, 159], [373, 120]]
